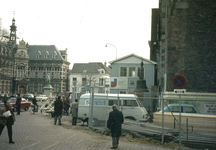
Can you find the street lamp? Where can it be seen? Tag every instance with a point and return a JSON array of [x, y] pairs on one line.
[[114, 46]]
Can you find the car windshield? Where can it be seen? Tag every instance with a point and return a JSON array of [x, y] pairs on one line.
[[13, 100]]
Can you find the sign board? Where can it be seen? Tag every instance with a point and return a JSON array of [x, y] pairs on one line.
[[179, 81], [119, 82], [210, 108], [96, 102], [179, 91]]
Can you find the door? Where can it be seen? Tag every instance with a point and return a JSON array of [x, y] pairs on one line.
[[22, 89]]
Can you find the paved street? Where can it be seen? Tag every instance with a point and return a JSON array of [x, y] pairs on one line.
[[37, 132]]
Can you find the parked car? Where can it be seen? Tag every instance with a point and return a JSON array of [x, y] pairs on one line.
[[42, 98], [185, 108], [24, 104], [28, 96]]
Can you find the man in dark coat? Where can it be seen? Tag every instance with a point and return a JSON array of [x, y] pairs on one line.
[[34, 101], [74, 112], [7, 118], [66, 105], [114, 124], [58, 106], [18, 104]]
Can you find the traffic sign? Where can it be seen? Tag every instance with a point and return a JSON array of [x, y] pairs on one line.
[[179, 81], [179, 91]]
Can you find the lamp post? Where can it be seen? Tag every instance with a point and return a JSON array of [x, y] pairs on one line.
[[114, 46]]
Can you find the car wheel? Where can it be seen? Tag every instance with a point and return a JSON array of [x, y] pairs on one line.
[[26, 108]]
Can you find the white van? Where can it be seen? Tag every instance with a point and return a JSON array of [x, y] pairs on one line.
[[127, 103]]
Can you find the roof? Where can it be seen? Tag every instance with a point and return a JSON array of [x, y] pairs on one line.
[[181, 105], [42, 50], [90, 67], [87, 95], [132, 55]]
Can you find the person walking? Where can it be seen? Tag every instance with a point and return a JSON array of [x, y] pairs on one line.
[[66, 105], [58, 106], [7, 118], [18, 103], [114, 124], [74, 112]]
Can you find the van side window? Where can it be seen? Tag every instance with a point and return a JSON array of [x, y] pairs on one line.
[[131, 103], [112, 102]]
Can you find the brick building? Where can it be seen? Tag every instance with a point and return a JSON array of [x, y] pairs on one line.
[[183, 41]]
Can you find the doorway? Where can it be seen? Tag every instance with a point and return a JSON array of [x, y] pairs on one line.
[[22, 89]]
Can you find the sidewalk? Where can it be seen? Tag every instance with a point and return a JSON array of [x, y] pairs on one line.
[[127, 142]]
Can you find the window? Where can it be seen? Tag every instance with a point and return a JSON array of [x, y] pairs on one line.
[[74, 81], [56, 87], [190, 110], [83, 81], [176, 109], [131, 103], [101, 81], [37, 56], [122, 92], [48, 68], [112, 102], [131, 71], [123, 71], [40, 87], [84, 71], [45, 56], [53, 56]]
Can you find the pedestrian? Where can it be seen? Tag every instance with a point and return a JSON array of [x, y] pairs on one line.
[[114, 124], [58, 106], [7, 119], [66, 105], [18, 103], [5, 97], [74, 112], [34, 101]]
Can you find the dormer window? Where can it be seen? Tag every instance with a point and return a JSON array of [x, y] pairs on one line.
[[45, 56], [84, 71], [54, 56], [37, 56], [101, 71]]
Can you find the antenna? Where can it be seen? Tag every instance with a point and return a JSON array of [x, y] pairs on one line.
[[14, 13]]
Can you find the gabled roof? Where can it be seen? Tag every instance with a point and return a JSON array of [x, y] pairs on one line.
[[90, 67], [132, 55], [42, 50]]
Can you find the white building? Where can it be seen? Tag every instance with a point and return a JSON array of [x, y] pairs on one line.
[[93, 74]]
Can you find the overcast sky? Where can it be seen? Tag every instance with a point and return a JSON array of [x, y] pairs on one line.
[[83, 26]]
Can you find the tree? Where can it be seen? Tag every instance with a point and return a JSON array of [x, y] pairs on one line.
[[4, 35]]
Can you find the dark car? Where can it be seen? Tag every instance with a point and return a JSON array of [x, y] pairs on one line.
[[28, 96], [24, 104]]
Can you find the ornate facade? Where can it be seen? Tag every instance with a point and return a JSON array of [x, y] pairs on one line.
[[26, 67]]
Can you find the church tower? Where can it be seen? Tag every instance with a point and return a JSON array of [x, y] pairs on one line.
[[13, 33]]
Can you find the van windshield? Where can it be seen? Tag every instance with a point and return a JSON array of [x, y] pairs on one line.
[[138, 101]]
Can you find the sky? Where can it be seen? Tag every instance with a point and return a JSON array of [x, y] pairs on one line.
[[83, 26]]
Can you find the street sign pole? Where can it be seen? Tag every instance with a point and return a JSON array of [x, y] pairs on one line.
[[179, 82], [179, 121]]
